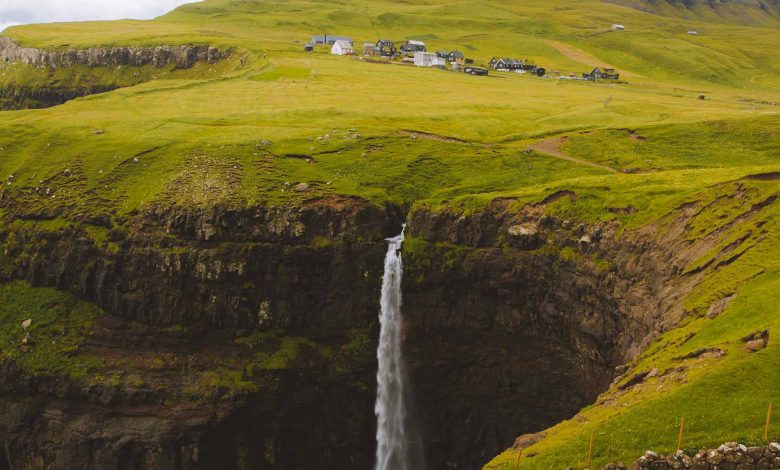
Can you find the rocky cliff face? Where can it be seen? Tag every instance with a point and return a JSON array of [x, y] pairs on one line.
[[181, 56], [517, 320], [48, 88], [235, 339], [245, 338]]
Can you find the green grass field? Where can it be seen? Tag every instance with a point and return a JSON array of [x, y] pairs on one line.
[[244, 131]]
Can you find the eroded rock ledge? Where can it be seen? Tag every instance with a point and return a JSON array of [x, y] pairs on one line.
[[182, 56]]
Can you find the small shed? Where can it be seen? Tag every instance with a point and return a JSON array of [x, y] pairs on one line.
[[476, 71], [342, 48]]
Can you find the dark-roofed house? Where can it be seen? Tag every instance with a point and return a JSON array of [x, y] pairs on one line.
[[456, 57], [506, 64], [329, 40], [600, 73], [413, 46], [385, 48]]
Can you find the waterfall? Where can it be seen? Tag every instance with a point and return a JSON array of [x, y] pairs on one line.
[[394, 437]]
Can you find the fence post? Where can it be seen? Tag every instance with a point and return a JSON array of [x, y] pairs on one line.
[[768, 420], [590, 449], [682, 430]]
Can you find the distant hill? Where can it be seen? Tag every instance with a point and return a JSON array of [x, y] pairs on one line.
[[762, 13]]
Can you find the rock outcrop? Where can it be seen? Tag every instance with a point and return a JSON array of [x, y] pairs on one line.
[[182, 56]]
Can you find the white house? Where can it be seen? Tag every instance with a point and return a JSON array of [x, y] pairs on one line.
[[342, 48], [618, 27], [428, 59]]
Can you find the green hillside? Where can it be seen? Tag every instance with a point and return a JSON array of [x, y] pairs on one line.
[[693, 116]]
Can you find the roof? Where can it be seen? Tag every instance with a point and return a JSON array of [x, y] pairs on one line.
[[321, 38], [456, 53], [415, 42]]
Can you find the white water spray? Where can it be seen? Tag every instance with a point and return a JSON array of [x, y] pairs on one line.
[[392, 434]]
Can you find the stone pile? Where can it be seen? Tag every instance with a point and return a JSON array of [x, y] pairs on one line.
[[729, 456]]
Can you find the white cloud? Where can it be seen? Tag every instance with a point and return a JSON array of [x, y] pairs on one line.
[[47, 11]]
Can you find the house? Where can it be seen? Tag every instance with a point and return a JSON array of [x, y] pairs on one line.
[[506, 64], [428, 59], [342, 48], [329, 40], [476, 71], [601, 74], [456, 57], [413, 46], [385, 48], [618, 27]]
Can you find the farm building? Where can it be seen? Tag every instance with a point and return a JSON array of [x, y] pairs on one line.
[[601, 74], [428, 59], [342, 48], [329, 40], [476, 71], [412, 46]]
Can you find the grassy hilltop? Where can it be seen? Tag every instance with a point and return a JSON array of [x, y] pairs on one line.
[[246, 131]]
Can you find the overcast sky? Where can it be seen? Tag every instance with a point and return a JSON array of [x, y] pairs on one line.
[[45, 11]]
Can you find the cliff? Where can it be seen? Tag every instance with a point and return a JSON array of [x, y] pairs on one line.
[[182, 56]]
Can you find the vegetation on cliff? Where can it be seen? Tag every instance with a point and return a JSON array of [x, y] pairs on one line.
[[696, 126]]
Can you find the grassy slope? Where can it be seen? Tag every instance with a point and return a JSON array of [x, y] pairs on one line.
[[197, 138]]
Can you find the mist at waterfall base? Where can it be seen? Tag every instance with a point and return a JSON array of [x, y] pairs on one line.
[[398, 443]]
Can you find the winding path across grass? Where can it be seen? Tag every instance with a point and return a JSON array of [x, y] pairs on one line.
[[552, 147]]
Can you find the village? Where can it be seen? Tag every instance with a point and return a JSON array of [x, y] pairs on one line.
[[415, 52]]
